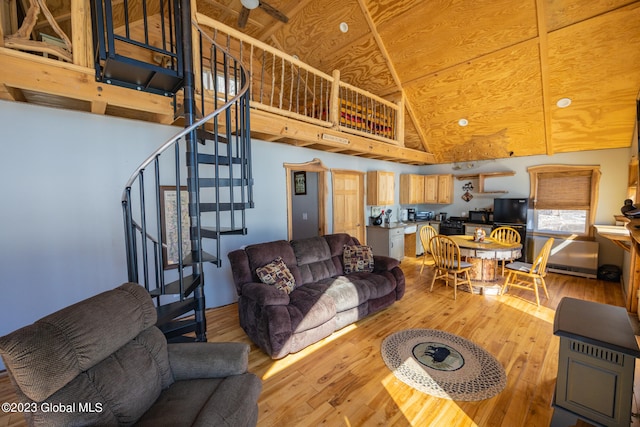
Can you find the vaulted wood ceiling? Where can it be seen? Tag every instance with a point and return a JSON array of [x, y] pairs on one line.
[[500, 64]]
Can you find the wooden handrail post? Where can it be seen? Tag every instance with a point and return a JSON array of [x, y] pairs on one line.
[[195, 41], [334, 111], [81, 34], [400, 122]]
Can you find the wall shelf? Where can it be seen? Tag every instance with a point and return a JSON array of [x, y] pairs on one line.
[[482, 176]]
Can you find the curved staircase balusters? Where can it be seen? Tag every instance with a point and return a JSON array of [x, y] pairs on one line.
[[220, 163]]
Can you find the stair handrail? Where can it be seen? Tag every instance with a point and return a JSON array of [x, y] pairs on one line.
[[169, 142]]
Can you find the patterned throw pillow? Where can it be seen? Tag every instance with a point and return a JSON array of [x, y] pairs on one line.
[[357, 258], [277, 273]]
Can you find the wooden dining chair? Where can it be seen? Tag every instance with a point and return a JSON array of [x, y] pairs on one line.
[[505, 235], [426, 234], [448, 265], [529, 276]]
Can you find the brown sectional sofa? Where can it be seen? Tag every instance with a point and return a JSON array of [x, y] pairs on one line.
[[324, 298]]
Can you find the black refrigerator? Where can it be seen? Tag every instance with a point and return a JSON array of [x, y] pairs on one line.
[[512, 213]]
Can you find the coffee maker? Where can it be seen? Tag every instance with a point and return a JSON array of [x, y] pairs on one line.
[[411, 214]]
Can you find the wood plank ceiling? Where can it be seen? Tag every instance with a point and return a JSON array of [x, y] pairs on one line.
[[500, 64]]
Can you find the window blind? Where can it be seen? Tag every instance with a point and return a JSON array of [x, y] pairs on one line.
[[564, 190]]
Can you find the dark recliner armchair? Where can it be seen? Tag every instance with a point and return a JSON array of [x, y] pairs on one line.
[[102, 361]]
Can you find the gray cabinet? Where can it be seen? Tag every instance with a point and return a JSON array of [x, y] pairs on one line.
[[386, 241]]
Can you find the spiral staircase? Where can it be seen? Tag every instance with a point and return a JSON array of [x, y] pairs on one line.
[[196, 187]]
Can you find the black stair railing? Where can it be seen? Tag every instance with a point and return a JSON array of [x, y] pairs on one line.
[[180, 201], [138, 44]]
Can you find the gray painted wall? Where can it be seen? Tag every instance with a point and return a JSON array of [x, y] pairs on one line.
[[61, 232]]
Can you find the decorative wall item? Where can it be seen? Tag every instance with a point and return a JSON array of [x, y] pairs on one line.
[[467, 188], [169, 226], [300, 183]]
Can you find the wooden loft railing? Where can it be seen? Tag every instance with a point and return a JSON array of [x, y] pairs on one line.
[[283, 85]]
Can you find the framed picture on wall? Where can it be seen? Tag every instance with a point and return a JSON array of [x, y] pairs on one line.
[[300, 183], [169, 226]]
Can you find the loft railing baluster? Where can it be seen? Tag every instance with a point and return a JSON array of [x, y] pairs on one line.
[[163, 30], [126, 19], [273, 78], [291, 86], [145, 22]]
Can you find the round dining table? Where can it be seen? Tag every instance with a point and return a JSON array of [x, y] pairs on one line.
[[484, 255]]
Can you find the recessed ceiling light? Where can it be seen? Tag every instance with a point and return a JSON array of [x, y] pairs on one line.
[[250, 4], [344, 27], [563, 102], [463, 122]]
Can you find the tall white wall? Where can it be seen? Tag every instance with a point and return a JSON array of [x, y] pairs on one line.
[[62, 174], [61, 225]]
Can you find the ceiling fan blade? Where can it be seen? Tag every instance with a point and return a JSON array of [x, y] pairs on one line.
[[243, 17], [274, 12]]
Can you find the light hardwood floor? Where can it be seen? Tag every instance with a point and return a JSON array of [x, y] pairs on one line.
[[343, 381]]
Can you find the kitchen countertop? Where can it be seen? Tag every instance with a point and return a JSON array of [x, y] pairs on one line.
[[426, 221], [392, 225]]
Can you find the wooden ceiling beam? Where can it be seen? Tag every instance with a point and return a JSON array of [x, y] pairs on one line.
[[543, 43], [67, 80]]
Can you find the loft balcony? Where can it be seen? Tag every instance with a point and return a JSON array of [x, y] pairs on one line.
[[291, 102]]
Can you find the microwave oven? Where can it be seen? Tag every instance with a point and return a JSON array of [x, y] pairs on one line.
[[479, 217]]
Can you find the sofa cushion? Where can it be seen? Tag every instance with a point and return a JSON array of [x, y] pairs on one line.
[[345, 293], [357, 258], [379, 284], [120, 389], [308, 309], [74, 339], [215, 401], [276, 273], [314, 259]]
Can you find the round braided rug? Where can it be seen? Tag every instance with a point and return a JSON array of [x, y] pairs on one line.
[[443, 365]]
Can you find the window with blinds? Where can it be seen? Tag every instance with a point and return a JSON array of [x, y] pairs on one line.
[[564, 198]]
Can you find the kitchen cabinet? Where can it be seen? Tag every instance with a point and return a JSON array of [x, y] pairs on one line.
[[445, 189], [438, 189], [411, 189], [431, 189], [387, 241], [380, 188]]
